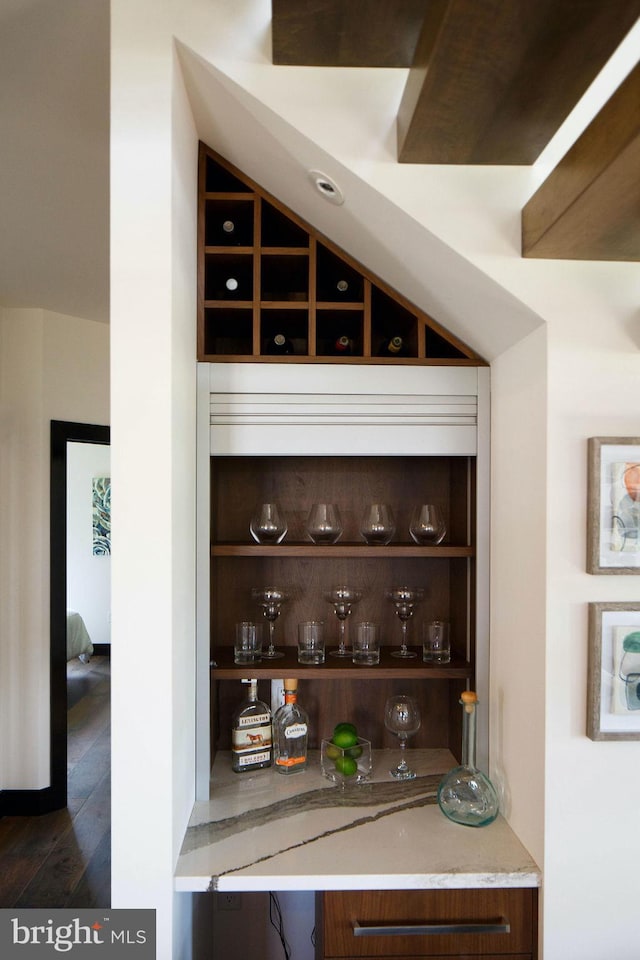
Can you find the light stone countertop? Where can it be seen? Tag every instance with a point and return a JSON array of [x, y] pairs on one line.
[[265, 831]]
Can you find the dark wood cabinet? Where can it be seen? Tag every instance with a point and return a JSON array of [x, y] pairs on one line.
[[306, 571], [263, 271], [484, 923]]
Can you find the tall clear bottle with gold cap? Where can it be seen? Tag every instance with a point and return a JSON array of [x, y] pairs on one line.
[[465, 794], [290, 725]]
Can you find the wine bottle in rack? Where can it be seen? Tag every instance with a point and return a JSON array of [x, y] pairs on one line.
[[226, 286], [342, 286], [343, 346], [393, 347], [278, 345], [228, 226]]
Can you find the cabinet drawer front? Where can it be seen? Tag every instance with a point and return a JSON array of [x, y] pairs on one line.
[[461, 956], [402, 923]]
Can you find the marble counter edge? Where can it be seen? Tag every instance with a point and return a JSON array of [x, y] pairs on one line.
[[314, 882]]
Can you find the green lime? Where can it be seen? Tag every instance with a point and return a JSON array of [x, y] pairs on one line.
[[345, 726], [332, 752], [347, 766], [354, 752], [345, 739]]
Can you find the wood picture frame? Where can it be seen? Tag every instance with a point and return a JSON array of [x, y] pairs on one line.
[[613, 697], [613, 505]]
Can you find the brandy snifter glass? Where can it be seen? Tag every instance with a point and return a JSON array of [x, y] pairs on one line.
[[324, 524], [427, 524], [268, 524], [378, 525]]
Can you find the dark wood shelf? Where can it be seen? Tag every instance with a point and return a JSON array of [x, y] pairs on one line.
[[360, 550], [227, 249], [321, 358], [339, 305], [229, 304], [337, 668], [272, 251], [284, 304], [228, 195]]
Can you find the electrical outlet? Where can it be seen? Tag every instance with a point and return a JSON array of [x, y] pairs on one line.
[[229, 901]]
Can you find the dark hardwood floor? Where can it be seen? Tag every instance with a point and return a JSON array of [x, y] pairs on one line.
[[63, 859]]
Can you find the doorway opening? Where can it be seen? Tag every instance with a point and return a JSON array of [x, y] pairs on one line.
[[63, 433]]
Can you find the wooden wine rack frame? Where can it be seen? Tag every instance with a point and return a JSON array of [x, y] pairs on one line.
[[286, 274]]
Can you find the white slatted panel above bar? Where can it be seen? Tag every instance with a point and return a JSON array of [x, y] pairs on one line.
[[404, 417]]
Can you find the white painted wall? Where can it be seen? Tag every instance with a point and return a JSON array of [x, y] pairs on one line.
[[153, 237], [518, 586], [88, 576], [592, 789], [52, 367]]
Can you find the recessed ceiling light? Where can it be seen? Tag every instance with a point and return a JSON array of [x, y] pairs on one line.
[[326, 186]]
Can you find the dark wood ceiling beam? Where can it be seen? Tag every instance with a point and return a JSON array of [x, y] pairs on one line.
[[588, 208], [492, 81], [345, 33]]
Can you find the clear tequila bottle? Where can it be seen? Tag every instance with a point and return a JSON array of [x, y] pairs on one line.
[[251, 735], [290, 725]]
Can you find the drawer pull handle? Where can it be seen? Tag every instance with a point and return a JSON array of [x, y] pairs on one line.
[[432, 928]]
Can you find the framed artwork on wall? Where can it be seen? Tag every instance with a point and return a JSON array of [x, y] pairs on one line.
[[613, 698], [101, 516], [613, 505]]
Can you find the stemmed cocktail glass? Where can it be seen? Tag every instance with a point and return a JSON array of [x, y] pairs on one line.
[[271, 600], [405, 600], [342, 598]]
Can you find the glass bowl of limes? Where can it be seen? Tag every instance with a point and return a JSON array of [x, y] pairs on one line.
[[346, 757]]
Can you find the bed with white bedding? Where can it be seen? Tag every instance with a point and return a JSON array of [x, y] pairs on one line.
[[78, 639]]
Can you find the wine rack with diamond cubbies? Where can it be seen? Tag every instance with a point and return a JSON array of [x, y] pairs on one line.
[[264, 273]]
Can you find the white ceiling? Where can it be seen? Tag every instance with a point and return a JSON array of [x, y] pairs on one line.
[[54, 156]]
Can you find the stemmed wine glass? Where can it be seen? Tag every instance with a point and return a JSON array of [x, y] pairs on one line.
[[402, 719], [343, 599], [270, 599], [405, 600]]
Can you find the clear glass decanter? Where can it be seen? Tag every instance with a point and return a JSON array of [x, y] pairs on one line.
[[465, 794]]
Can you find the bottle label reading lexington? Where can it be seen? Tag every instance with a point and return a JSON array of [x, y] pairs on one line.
[[254, 738]]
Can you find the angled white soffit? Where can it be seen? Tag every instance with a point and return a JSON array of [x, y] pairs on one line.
[[369, 226]]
